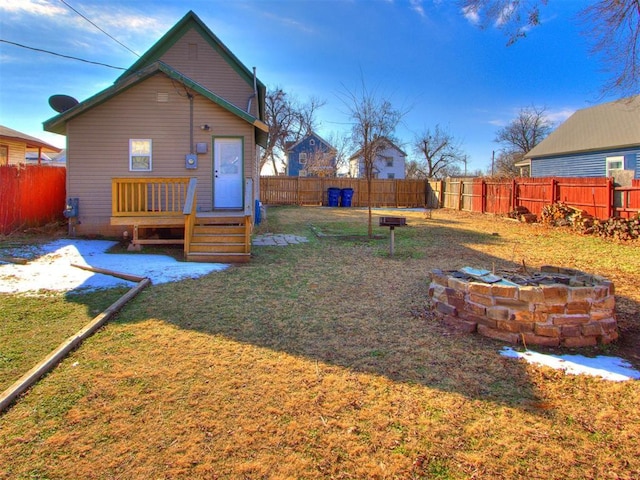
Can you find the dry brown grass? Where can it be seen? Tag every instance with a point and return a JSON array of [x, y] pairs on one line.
[[321, 361]]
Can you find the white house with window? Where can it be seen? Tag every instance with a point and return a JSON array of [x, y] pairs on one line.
[[600, 141], [389, 163]]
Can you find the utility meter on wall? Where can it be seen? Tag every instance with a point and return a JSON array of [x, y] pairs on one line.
[[191, 161]]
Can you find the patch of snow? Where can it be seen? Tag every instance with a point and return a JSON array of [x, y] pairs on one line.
[[610, 368], [51, 267]]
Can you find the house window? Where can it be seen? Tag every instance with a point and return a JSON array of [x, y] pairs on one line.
[[302, 159], [614, 163], [312, 142], [391, 175], [389, 161], [140, 155], [4, 155]]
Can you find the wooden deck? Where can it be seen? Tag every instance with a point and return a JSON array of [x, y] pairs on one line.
[[163, 211]]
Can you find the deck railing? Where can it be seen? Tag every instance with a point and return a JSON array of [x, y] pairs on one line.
[[153, 196], [189, 212]]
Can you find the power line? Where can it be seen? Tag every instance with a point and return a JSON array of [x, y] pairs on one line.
[[60, 55], [107, 34]]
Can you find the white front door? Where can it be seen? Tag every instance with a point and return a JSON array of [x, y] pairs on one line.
[[228, 167]]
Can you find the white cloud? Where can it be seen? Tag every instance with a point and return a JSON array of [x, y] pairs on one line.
[[32, 7], [560, 115], [416, 6], [505, 14], [471, 14]]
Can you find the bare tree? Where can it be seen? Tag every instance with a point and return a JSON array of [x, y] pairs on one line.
[[320, 162], [374, 121], [439, 153], [342, 143], [616, 24], [505, 164], [612, 25], [529, 128], [288, 121]]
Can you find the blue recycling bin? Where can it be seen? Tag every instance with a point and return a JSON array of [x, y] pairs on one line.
[[346, 194], [333, 197]]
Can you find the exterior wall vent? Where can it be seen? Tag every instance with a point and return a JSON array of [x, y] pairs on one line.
[[162, 97]]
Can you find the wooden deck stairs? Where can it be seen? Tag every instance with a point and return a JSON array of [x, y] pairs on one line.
[[162, 204], [219, 240]]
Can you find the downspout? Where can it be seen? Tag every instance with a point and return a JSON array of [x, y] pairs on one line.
[[190, 122], [255, 92]]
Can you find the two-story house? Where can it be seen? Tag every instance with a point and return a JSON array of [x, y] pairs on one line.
[[389, 162], [168, 153], [311, 156]]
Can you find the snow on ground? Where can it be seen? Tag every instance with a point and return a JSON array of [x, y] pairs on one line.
[[609, 368], [50, 267]]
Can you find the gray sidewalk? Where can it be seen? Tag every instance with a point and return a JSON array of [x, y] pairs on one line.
[[277, 240]]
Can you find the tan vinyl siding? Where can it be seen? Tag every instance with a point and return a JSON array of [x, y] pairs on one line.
[[98, 145], [17, 151], [209, 69]]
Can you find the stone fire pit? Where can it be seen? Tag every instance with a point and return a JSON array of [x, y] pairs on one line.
[[551, 307]]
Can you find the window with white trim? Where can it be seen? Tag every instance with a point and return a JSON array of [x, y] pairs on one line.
[[614, 163], [140, 155], [302, 158]]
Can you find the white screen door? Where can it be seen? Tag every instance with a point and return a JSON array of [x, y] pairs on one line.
[[227, 173]]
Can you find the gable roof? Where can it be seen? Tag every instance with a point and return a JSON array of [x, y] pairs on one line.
[[291, 145], [384, 140], [188, 22], [603, 127], [57, 123], [31, 142], [148, 64]]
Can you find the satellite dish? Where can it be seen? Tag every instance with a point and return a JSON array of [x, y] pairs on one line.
[[62, 103]]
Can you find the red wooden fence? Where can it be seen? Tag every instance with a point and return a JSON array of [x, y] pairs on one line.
[[596, 196], [31, 195]]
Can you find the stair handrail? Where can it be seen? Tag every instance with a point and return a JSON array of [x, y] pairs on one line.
[[189, 212]]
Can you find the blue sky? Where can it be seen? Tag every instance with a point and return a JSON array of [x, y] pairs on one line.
[[426, 56]]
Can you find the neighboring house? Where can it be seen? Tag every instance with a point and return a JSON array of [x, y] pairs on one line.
[[16, 147], [389, 163], [51, 160], [600, 141], [170, 147], [311, 157]]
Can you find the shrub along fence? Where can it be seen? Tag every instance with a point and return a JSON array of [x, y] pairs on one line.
[[596, 196], [31, 195]]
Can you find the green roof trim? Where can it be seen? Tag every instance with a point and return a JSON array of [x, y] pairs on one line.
[[150, 64], [57, 123], [189, 21]]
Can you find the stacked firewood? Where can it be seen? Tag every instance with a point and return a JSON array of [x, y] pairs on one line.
[[523, 214], [618, 228], [562, 215], [558, 215]]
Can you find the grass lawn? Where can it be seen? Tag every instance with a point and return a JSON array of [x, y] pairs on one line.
[[321, 360]]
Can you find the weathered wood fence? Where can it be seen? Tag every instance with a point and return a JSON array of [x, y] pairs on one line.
[[597, 196], [313, 191], [31, 195]]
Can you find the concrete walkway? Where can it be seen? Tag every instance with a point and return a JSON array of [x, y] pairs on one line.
[[277, 240]]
